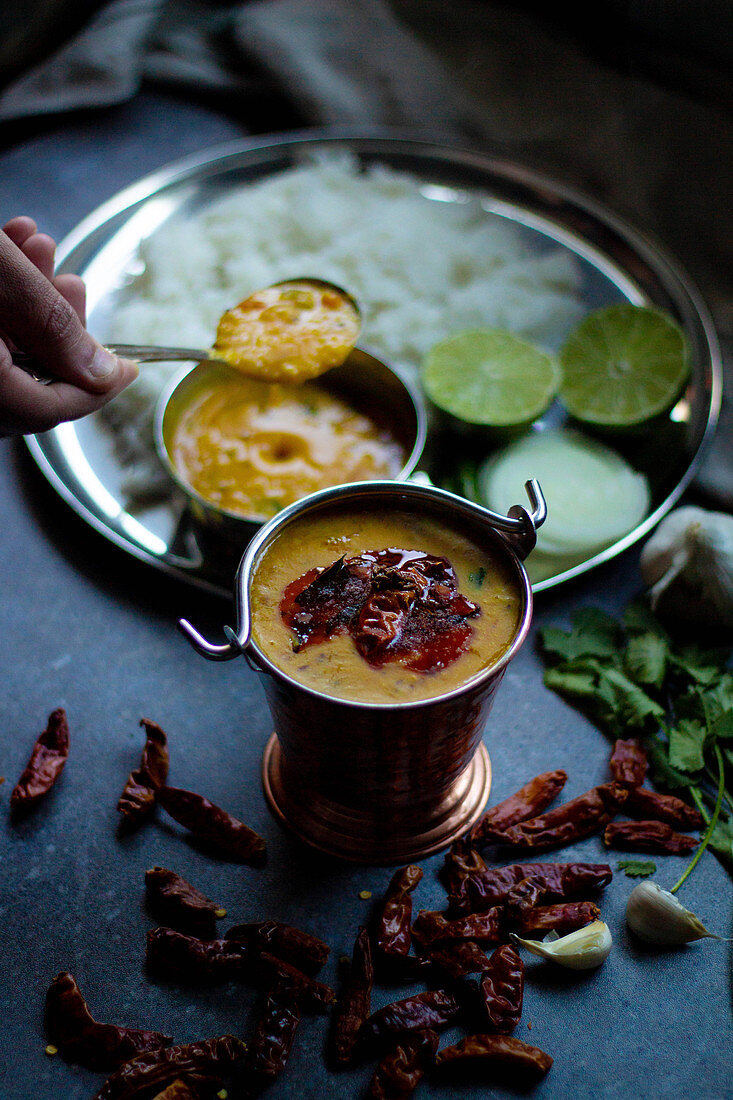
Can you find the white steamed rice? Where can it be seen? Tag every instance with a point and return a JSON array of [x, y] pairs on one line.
[[420, 269]]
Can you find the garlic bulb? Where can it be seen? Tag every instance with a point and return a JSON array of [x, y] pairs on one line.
[[583, 949], [657, 917], [688, 565]]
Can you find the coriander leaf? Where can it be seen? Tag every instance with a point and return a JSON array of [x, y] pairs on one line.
[[591, 620], [661, 769], [702, 666], [645, 659], [570, 682], [722, 727], [638, 618], [570, 645], [721, 838], [686, 741], [637, 868], [478, 577], [631, 702]]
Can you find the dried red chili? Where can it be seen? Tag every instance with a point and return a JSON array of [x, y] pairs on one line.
[[209, 1062], [215, 826], [425, 1010], [393, 933], [628, 762], [268, 970], [528, 801], [574, 820], [652, 806], [459, 958], [399, 605], [432, 927], [187, 959], [354, 1002], [648, 836], [272, 1041], [461, 860], [502, 989], [500, 1051], [489, 888], [401, 1071], [177, 1090], [562, 918], [81, 1039], [180, 905], [300, 948], [50, 753], [138, 798]]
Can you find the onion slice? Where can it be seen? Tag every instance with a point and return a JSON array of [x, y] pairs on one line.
[[594, 497]]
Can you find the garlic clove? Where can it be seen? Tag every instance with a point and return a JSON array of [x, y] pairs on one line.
[[583, 949], [656, 917]]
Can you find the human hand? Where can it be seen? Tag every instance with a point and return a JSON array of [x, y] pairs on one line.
[[44, 316]]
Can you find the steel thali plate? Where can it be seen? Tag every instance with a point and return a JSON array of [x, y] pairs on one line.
[[617, 263]]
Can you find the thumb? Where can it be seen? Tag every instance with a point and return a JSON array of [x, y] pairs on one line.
[[43, 324]]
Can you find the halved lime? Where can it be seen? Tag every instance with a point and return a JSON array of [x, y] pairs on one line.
[[491, 377], [622, 365]]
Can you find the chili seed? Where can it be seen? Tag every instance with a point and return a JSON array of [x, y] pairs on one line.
[[220, 913], [365, 894], [51, 1050]]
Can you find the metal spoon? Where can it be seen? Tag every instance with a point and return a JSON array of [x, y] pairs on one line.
[[140, 353], [144, 353]]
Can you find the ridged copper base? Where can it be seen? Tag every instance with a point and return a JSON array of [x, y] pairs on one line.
[[354, 835]]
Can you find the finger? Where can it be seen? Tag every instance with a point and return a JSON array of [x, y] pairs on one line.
[[27, 406], [20, 229], [41, 322], [40, 249], [72, 288]]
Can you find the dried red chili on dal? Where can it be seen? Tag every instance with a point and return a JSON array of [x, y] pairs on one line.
[[398, 605], [50, 753]]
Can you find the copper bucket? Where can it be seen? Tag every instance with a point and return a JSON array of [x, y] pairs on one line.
[[375, 782]]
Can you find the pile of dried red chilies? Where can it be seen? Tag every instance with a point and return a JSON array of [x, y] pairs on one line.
[[475, 977], [277, 959], [478, 990]]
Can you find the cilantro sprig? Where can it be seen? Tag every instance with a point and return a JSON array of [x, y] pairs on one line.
[[632, 679]]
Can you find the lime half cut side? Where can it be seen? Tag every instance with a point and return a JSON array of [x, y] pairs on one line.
[[623, 365], [490, 377]]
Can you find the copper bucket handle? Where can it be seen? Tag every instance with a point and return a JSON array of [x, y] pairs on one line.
[[519, 527]]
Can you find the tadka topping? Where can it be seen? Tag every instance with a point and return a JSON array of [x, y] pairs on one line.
[[398, 605]]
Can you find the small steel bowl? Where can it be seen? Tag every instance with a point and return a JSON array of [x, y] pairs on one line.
[[363, 381], [380, 782]]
